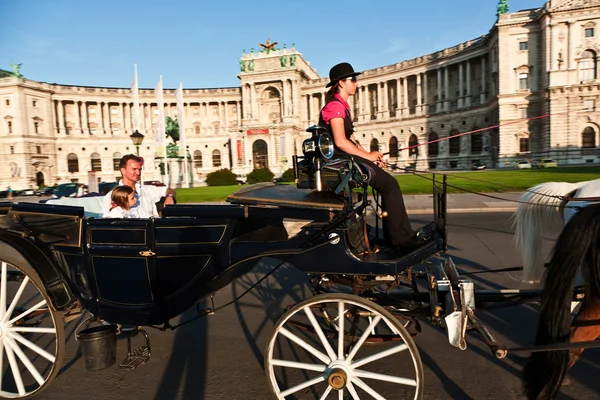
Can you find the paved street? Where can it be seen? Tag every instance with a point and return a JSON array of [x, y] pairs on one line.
[[221, 357]]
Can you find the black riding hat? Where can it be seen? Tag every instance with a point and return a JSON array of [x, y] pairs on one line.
[[339, 72]]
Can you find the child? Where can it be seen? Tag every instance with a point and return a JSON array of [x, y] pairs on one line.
[[122, 199]]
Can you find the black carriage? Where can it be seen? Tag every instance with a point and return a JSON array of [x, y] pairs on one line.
[[144, 272]]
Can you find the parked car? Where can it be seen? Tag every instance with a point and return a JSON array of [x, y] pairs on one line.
[[154, 183], [47, 191], [26, 192], [241, 179], [478, 166], [547, 163], [66, 190], [522, 164]]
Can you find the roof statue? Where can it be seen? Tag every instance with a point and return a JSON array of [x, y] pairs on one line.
[[502, 7], [268, 46], [16, 70]]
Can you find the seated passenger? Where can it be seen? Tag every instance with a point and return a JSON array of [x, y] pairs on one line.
[[147, 195], [337, 117], [122, 199]]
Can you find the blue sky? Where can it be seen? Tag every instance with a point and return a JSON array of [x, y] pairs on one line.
[[199, 42]]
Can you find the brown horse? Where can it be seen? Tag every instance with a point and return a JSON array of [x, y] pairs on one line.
[[578, 246]]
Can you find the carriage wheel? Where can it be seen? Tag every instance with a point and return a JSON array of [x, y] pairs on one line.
[[302, 365], [32, 336]]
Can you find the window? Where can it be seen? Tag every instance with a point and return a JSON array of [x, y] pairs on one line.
[[36, 127], [589, 32], [454, 144], [374, 145], [9, 126], [523, 45], [523, 145], [587, 66], [72, 163], [116, 161], [197, 129], [589, 105], [96, 162], [523, 81], [12, 149], [216, 158], [38, 149], [393, 147], [197, 159], [476, 142], [34, 103], [588, 138], [413, 144], [7, 102], [432, 146]]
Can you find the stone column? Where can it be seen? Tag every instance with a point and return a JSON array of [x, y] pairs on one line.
[[272, 152], [482, 95], [239, 112], [253, 101], [61, 116], [84, 118], [398, 98], [405, 95], [425, 94], [284, 98], [460, 85], [309, 110], [446, 90], [386, 100], [440, 103], [379, 110], [419, 106], [226, 117], [295, 109], [126, 117], [367, 111], [468, 98], [220, 113]]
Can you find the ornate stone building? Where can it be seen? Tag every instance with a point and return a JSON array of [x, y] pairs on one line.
[[526, 89]]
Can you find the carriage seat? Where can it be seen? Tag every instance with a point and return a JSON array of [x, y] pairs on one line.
[[92, 205]]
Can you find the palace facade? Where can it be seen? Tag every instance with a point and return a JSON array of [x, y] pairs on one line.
[[527, 89]]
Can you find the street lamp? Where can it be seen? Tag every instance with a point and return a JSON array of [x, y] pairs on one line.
[[137, 139]]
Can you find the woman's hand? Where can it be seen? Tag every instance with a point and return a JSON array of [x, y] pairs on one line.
[[375, 156]]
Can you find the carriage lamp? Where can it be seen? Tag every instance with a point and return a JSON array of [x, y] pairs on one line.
[[318, 146], [137, 138]]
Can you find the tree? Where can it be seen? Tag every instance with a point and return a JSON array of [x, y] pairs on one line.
[[172, 129]]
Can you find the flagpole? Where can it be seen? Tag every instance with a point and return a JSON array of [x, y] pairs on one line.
[[161, 141], [182, 134], [136, 100]]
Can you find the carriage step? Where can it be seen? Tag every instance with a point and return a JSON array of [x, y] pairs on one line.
[[138, 356]]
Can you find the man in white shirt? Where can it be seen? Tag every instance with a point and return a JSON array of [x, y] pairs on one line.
[[147, 195]]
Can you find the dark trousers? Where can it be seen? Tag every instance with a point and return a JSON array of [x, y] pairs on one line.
[[396, 226]]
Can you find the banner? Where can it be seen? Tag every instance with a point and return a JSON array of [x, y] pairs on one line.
[[257, 131], [161, 142], [182, 133], [239, 149], [136, 101]]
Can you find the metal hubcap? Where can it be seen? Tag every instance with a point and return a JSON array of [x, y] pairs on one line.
[[337, 379]]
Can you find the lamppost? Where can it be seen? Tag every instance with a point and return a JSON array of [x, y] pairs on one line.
[[137, 139]]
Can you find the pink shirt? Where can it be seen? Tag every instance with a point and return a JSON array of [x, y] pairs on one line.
[[335, 109]]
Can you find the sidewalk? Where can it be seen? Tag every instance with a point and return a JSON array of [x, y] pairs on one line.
[[464, 203]]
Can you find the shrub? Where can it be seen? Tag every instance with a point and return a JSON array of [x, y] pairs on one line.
[[288, 176], [222, 177], [260, 175]]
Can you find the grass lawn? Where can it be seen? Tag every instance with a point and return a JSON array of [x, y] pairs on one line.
[[478, 181]]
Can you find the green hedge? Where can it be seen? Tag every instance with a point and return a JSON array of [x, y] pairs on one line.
[[222, 177], [288, 176], [260, 175]]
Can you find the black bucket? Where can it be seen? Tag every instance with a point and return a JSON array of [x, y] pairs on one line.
[[99, 346]]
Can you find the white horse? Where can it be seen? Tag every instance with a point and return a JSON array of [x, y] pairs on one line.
[[544, 215]]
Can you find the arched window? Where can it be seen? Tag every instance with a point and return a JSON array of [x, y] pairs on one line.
[[454, 143], [413, 143], [96, 162], [587, 66], [393, 147], [260, 154], [476, 142], [72, 163], [198, 159], [216, 158], [588, 138], [432, 148], [374, 145], [116, 161]]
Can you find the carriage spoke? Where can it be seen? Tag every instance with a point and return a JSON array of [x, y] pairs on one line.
[[363, 337], [378, 356], [15, 370], [361, 384], [3, 290], [352, 391], [319, 331], [15, 348], [26, 313], [16, 299], [1, 362], [385, 378], [327, 391], [31, 329], [341, 394], [32, 346], [299, 365], [341, 330], [304, 385], [305, 345]]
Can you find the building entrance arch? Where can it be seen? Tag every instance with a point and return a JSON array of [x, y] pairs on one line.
[[39, 179], [260, 154]]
